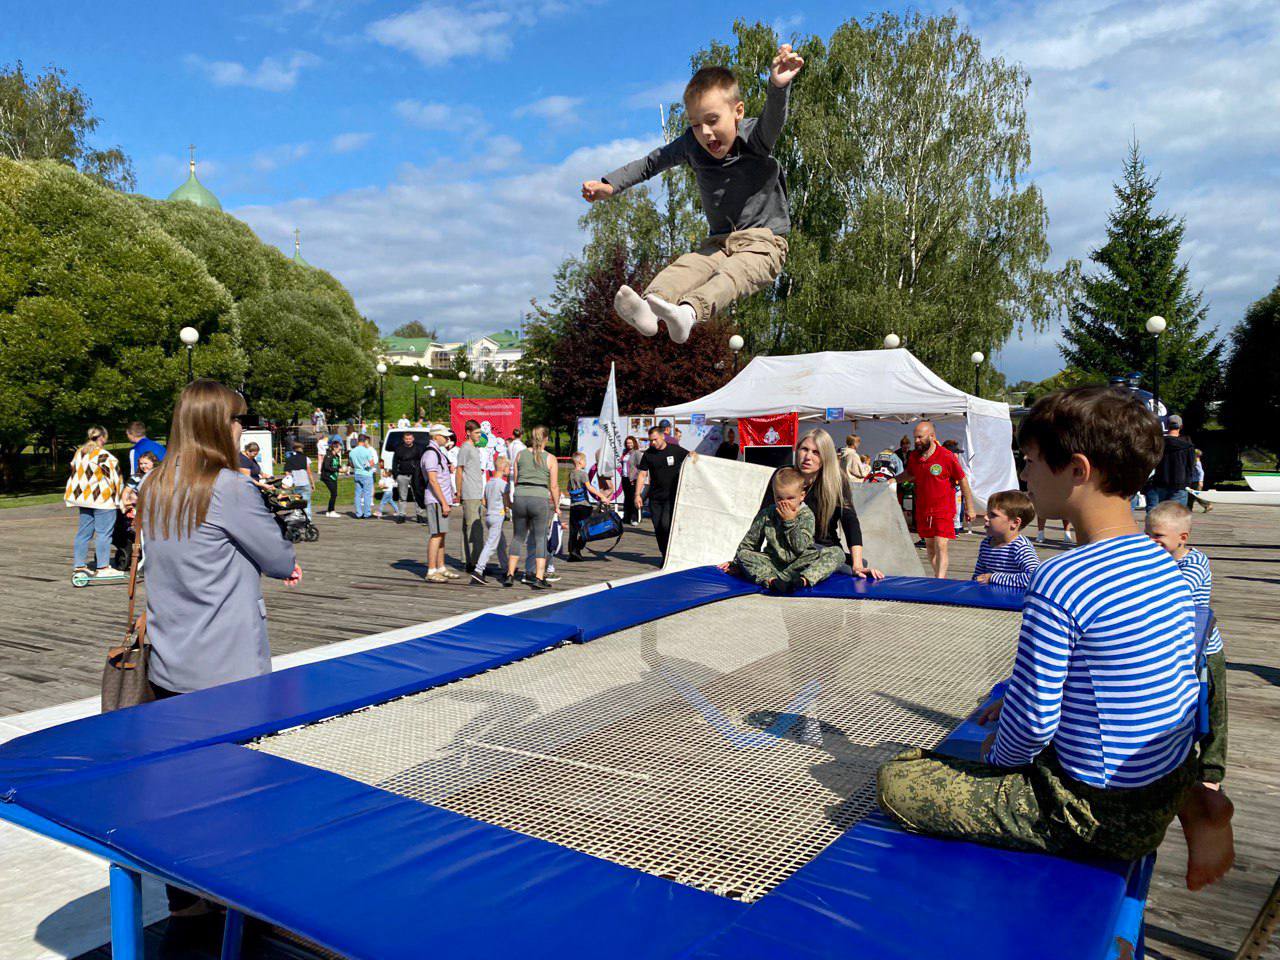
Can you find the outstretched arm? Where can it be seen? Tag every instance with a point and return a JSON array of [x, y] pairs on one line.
[[769, 127], [664, 158]]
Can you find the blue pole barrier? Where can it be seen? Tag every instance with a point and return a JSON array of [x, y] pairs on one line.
[[126, 914]]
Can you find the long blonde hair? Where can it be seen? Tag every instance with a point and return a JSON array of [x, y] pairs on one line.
[[830, 482], [177, 492], [96, 439], [538, 439]]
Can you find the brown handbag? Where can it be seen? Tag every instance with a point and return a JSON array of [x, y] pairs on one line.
[[125, 678]]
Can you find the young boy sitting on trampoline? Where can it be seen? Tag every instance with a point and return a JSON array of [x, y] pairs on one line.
[[1072, 767], [1005, 557], [1169, 524], [778, 551], [742, 195]]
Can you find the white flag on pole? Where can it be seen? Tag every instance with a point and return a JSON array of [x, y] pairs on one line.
[[611, 429]]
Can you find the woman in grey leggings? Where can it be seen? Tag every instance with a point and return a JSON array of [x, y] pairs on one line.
[[537, 497]]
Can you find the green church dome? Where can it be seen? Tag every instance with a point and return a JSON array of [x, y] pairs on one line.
[[297, 248], [193, 191]]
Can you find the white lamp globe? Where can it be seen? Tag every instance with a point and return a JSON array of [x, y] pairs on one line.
[[736, 343], [414, 378], [462, 375], [189, 336], [1156, 325], [382, 368], [892, 341], [977, 356]]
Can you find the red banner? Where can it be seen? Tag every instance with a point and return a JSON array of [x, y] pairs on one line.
[[774, 430], [498, 417]]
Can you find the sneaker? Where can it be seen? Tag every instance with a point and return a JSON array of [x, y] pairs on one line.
[[551, 577], [1040, 537], [333, 513], [437, 578], [537, 584], [109, 573], [479, 578], [507, 581]]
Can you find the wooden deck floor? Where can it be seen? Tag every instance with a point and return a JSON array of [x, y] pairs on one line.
[[364, 577]]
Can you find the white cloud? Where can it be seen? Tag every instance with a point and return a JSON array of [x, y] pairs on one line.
[[349, 142], [438, 33], [1195, 81], [273, 158], [462, 245], [271, 74], [650, 98], [557, 110]]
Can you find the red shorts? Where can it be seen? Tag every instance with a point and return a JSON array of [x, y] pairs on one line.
[[936, 525]]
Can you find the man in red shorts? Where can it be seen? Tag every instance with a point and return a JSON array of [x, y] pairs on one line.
[[935, 471]]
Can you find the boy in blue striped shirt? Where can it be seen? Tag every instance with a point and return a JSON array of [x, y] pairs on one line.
[[1092, 755], [1005, 557], [1169, 524]]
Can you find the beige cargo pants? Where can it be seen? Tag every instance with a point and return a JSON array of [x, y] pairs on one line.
[[722, 270]]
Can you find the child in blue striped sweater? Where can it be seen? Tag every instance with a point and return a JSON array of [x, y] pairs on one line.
[[1006, 558], [1093, 752]]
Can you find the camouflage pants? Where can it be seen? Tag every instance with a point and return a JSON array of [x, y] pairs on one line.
[[1213, 748], [815, 565], [1036, 807]]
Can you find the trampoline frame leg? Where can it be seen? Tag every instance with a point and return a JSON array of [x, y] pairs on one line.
[[126, 913], [232, 935]]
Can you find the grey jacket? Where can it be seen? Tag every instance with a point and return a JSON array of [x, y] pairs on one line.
[[206, 619], [740, 192]]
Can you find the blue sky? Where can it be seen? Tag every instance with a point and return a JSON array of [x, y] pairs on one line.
[[430, 151]]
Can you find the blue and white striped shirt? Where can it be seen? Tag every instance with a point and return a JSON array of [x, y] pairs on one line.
[[1105, 669], [1010, 564], [1195, 567]]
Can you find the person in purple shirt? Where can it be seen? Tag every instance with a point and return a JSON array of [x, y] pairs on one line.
[[437, 475]]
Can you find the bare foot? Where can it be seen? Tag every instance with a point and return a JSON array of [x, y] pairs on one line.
[[1206, 822]]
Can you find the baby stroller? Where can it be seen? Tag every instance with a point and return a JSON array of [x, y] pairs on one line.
[[882, 468], [290, 511]]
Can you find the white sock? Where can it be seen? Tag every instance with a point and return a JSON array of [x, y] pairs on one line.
[[632, 308], [679, 317]]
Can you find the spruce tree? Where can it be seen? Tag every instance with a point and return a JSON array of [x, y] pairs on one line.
[[1139, 276], [1251, 397]]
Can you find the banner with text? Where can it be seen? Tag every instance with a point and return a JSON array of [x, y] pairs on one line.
[[498, 418]]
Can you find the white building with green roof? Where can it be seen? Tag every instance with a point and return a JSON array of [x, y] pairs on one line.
[[496, 352]]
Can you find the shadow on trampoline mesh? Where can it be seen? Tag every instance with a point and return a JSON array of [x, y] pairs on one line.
[[721, 748]]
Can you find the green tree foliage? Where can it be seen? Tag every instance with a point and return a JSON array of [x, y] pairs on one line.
[[1069, 377], [1251, 395], [415, 330], [92, 296], [95, 285], [1139, 277], [49, 119], [905, 158]]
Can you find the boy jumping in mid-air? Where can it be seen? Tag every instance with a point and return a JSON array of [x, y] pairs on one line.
[[1006, 558], [1169, 524], [742, 195], [778, 551], [1092, 755]]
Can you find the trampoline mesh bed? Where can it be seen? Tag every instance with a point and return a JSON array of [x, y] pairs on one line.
[[722, 747]]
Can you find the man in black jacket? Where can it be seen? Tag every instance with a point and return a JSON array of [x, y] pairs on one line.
[[404, 467], [1173, 474]]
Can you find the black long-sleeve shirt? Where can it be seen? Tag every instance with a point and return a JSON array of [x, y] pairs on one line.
[[404, 462], [744, 189]]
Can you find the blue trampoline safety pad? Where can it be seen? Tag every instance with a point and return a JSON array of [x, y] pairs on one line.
[[371, 874]]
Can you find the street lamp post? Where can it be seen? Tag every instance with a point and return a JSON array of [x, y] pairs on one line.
[[1155, 326], [414, 378], [462, 376], [892, 341], [977, 357], [189, 336], [736, 343], [382, 407]]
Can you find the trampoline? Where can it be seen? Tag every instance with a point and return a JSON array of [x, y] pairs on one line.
[[674, 767]]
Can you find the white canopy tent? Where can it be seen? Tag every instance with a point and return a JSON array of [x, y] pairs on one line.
[[882, 390]]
